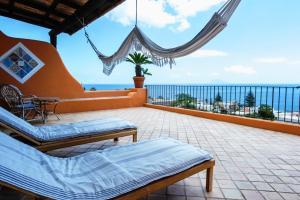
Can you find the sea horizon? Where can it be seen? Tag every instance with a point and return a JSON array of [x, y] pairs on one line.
[[122, 86]]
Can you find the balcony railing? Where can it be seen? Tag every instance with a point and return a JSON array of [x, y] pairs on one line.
[[281, 103]]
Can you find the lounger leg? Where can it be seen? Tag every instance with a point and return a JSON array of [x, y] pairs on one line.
[[116, 139], [40, 198], [209, 179], [134, 137]]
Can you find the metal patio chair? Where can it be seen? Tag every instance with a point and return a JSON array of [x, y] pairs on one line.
[[24, 107]]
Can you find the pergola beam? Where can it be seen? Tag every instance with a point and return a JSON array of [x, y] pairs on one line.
[[51, 9], [20, 14], [11, 5], [42, 7], [61, 16], [88, 8], [107, 6], [71, 3], [20, 18]]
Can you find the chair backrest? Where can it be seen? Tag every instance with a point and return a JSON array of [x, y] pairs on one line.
[[11, 95], [19, 125]]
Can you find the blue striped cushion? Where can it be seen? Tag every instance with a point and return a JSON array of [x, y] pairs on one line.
[[63, 131], [49, 133], [95, 175], [19, 124]]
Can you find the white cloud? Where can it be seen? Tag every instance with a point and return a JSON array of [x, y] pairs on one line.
[[189, 74], [187, 8], [277, 60], [154, 12], [295, 62], [240, 69], [183, 25], [215, 74], [272, 60], [203, 53]]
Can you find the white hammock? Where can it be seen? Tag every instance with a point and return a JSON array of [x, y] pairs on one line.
[[138, 41]]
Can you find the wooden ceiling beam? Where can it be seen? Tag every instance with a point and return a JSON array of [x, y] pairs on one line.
[[85, 10], [70, 3], [51, 9], [45, 14], [30, 15], [11, 5], [40, 6], [23, 19], [87, 20], [93, 9], [109, 5]]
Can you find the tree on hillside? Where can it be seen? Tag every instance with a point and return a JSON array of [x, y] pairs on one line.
[[218, 105], [218, 98], [250, 100], [266, 112], [185, 101]]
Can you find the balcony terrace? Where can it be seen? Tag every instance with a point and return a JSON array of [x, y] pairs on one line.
[[251, 163]]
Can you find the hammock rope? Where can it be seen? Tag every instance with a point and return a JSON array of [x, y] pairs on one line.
[[138, 41], [136, 12]]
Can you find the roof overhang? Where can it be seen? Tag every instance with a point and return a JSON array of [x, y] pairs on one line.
[[61, 16]]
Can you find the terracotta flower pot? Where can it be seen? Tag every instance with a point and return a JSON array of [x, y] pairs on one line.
[[138, 81]]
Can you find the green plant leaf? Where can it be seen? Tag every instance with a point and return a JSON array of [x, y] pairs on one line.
[[138, 59], [130, 60]]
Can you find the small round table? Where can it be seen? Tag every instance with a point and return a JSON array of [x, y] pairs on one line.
[[45, 103]]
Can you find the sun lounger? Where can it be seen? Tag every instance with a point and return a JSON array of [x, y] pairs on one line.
[[120, 172], [49, 137]]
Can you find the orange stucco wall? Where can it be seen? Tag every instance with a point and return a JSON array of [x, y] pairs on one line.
[[54, 80], [257, 123], [135, 98]]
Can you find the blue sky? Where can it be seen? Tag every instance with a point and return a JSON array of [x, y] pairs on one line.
[[260, 45]]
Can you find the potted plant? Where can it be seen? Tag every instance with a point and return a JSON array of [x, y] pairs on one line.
[[139, 59]]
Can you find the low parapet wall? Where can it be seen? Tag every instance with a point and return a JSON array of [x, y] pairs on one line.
[[134, 98], [256, 123]]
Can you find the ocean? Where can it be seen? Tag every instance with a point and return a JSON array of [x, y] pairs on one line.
[[108, 86]]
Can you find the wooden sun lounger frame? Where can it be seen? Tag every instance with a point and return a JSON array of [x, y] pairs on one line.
[[154, 186], [47, 146]]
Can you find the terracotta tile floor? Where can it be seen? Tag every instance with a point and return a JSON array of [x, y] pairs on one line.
[[251, 163]]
